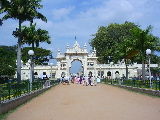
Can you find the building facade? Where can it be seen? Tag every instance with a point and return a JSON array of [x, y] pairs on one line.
[[89, 64]]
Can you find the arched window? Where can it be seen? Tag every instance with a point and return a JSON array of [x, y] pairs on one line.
[[108, 73], [90, 73], [116, 72]]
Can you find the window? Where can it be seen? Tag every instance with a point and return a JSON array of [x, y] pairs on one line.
[[44, 73]]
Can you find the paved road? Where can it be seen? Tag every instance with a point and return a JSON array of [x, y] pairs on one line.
[[77, 102]]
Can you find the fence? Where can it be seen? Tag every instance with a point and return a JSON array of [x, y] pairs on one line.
[[135, 83], [11, 91]]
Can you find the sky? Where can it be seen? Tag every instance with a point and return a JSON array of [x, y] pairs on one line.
[[81, 18]]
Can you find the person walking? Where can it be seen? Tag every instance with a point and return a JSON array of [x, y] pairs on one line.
[[74, 79], [86, 81], [83, 80], [90, 80], [98, 79], [95, 81], [77, 80], [80, 80]]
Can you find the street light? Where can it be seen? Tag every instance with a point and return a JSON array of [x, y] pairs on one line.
[[111, 63], [51, 64], [148, 52], [31, 53], [100, 72]]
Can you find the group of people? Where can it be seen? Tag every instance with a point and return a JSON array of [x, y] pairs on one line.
[[84, 80]]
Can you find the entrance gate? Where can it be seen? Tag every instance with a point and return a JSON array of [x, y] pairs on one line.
[[89, 61]]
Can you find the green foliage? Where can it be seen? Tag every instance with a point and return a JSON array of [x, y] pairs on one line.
[[123, 41], [110, 40], [21, 10], [8, 60], [24, 10], [41, 56], [33, 36]]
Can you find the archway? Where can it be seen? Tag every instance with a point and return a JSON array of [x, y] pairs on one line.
[[76, 68], [87, 61], [109, 75], [117, 76]]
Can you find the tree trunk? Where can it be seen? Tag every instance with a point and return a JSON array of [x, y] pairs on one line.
[[32, 62], [126, 72], [143, 71], [19, 55]]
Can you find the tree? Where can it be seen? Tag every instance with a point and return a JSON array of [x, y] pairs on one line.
[[1, 22], [8, 60], [22, 10], [34, 37], [144, 40], [109, 39], [126, 41], [41, 55]]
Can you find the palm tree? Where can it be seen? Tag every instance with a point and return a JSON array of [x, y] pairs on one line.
[[33, 36], [22, 10], [144, 40]]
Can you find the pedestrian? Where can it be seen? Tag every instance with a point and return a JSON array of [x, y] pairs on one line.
[[98, 79], [80, 80], [87, 81], [94, 80], [90, 80], [83, 80], [75, 79]]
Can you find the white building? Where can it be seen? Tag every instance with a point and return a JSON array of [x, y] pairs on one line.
[[89, 65]]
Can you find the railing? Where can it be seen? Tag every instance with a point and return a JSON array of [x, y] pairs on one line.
[[11, 91], [135, 83]]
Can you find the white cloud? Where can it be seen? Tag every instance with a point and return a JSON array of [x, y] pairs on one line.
[[62, 12]]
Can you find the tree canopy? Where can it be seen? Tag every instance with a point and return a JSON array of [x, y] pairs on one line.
[[122, 41], [33, 36], [23, 10], [8, 60], [41, 56]]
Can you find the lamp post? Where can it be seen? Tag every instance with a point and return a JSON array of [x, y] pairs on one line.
[[100, 72], [111, 63], [31, 53], [148, 52], [51, 64]]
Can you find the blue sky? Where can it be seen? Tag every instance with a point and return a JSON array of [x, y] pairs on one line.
[[81, 18]]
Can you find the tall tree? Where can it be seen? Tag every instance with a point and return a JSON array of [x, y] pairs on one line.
[[108, 39], [144, 40], [123, 42], [21, 10], [33, 37]]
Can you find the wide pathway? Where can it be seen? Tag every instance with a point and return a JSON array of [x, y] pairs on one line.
[[77, 102]]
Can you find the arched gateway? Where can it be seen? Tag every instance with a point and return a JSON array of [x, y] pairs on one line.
[[89, 61]]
